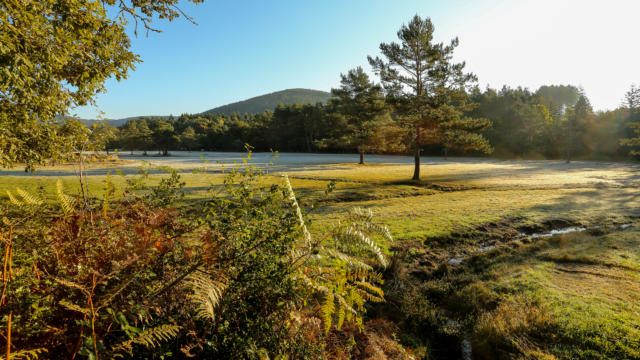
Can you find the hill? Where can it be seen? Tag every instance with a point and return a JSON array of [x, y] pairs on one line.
[[261, 103], [254, 105]]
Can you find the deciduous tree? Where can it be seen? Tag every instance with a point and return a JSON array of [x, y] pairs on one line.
[[56, 55]]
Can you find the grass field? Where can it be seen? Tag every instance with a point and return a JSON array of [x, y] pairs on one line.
[[575, 295]]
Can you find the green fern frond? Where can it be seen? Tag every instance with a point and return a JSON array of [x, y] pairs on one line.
[[370, 292], [74, 307], [352, 235], [28, 198], [206, 294], [32, 354], [373, 228], [13, 199], [351, 261], [71, 284], [292, 197], [149, 338], [346, 305], [327, 310], [66, 202], [358, 213], [341, 314], [313, 284]]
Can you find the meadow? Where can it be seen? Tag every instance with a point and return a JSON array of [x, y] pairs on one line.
[[475, 268]]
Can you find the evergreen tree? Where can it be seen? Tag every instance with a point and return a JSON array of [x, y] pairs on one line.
[[632, 102], [143, 137], [361, 103], [428, 90], [577, 121]]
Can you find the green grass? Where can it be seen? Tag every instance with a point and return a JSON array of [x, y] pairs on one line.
[[588, 286], [570, 296]]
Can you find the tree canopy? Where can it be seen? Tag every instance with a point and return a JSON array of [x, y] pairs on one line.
[[56, 55], [362, 103], [429, 90]]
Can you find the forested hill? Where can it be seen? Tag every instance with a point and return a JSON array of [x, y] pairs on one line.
[[259, 104]]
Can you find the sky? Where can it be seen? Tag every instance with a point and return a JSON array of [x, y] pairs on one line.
[[241, 48]]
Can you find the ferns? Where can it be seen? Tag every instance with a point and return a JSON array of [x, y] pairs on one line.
[[74, 307], [328, 308], [148, 338], [206, 294], [343, 276], [351, 235], [27, 198], [13, 199], [294, 202], [32, 354], [66, 202]]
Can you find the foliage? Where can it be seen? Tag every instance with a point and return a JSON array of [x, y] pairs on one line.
[[54, 57], [115, 278], [577, 119], [429, 91], [632, 102], [525, 124], [362, 104]]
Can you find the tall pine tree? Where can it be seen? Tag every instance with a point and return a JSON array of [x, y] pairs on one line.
[[429, 91]]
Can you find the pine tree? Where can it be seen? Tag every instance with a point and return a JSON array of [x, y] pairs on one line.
[[577, 120], [143, 137], [428, 90], [361, 103], [632, 101]]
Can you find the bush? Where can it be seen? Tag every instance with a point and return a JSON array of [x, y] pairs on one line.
[[240, 278]]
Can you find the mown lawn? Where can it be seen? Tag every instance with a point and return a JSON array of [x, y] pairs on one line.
[[568, 296]]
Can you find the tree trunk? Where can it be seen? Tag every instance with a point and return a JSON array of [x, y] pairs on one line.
[[416, 155], [361, 156]]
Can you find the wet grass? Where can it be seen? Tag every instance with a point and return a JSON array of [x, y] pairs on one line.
[[584, 289]]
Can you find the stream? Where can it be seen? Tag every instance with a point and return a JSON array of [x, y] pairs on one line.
[[567, 230], [466, 348]]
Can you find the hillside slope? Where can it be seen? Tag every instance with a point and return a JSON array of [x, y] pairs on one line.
[[261, 103]]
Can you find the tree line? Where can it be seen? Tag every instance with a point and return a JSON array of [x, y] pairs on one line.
[[554, 122], [424, 103]]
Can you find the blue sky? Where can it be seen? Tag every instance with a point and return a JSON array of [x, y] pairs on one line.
[[241, 48]]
